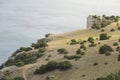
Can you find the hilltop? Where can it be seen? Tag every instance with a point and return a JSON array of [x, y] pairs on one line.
[[78, 55]]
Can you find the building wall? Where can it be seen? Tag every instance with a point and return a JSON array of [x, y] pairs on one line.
[[91, 21]]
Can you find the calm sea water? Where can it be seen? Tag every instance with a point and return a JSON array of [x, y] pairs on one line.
[[24, 21]]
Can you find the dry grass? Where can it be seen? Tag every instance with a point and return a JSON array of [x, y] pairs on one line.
[[83, 66]]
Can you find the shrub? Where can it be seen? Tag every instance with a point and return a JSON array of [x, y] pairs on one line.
[[23, 59], [19, 63], [105, 48], [118, 49], [64, 65], [119, 28], [105, 63], [62, 51], [107, 54], [25, 49], [115, 76], [115, 44], [21, 49], [78, 51], [119, 40], [102, 30], [103, 36], [42, 50], [47, 35], [72, 57], [39, 44], [83, 47], [91, 39], [92, 45], [119, 57], [18, 78], [73, 41], [95, 64], [112, 30], [52, 65]]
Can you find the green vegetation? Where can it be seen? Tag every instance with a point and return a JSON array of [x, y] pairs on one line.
[[119, 28], [92, 45], [105, 49], [21, 49], [118, 49], [110, 77], [76, 57], [102, 30], [47, 35], [73, 41], [42, 50], [83, 47], [112, 30], [16, 78], [115, 44], [62, 51], [52, 65], [103, 36], [23, 59], [105, 21], [79, 51], [91, 39], [95, 64], [119, 57], [39, 44]]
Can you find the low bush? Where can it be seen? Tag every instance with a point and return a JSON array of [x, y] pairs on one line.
[[95, 64], [112, 30], [62, 51], [103, 36], [52, 65], [102, 30], [118, 49], [16, 78], [72, 57], [115, 44], [119, 57], [119, 28], [105, 48], [92, 45], [91, 39], [42, 50], [39, 44], [73, 41], [107, 54], [83, 47], [115, 76], [23, 59], [79, 51]]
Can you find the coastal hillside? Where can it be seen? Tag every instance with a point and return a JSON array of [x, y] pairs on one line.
[[88, 54]]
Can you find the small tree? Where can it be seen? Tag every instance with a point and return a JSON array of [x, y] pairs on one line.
[[118, 49], [91, 39], [115, 44], [73, 41], [105, 48], [62, 51], [112, 30], [78, 51], [83, 47], [103, 36]]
